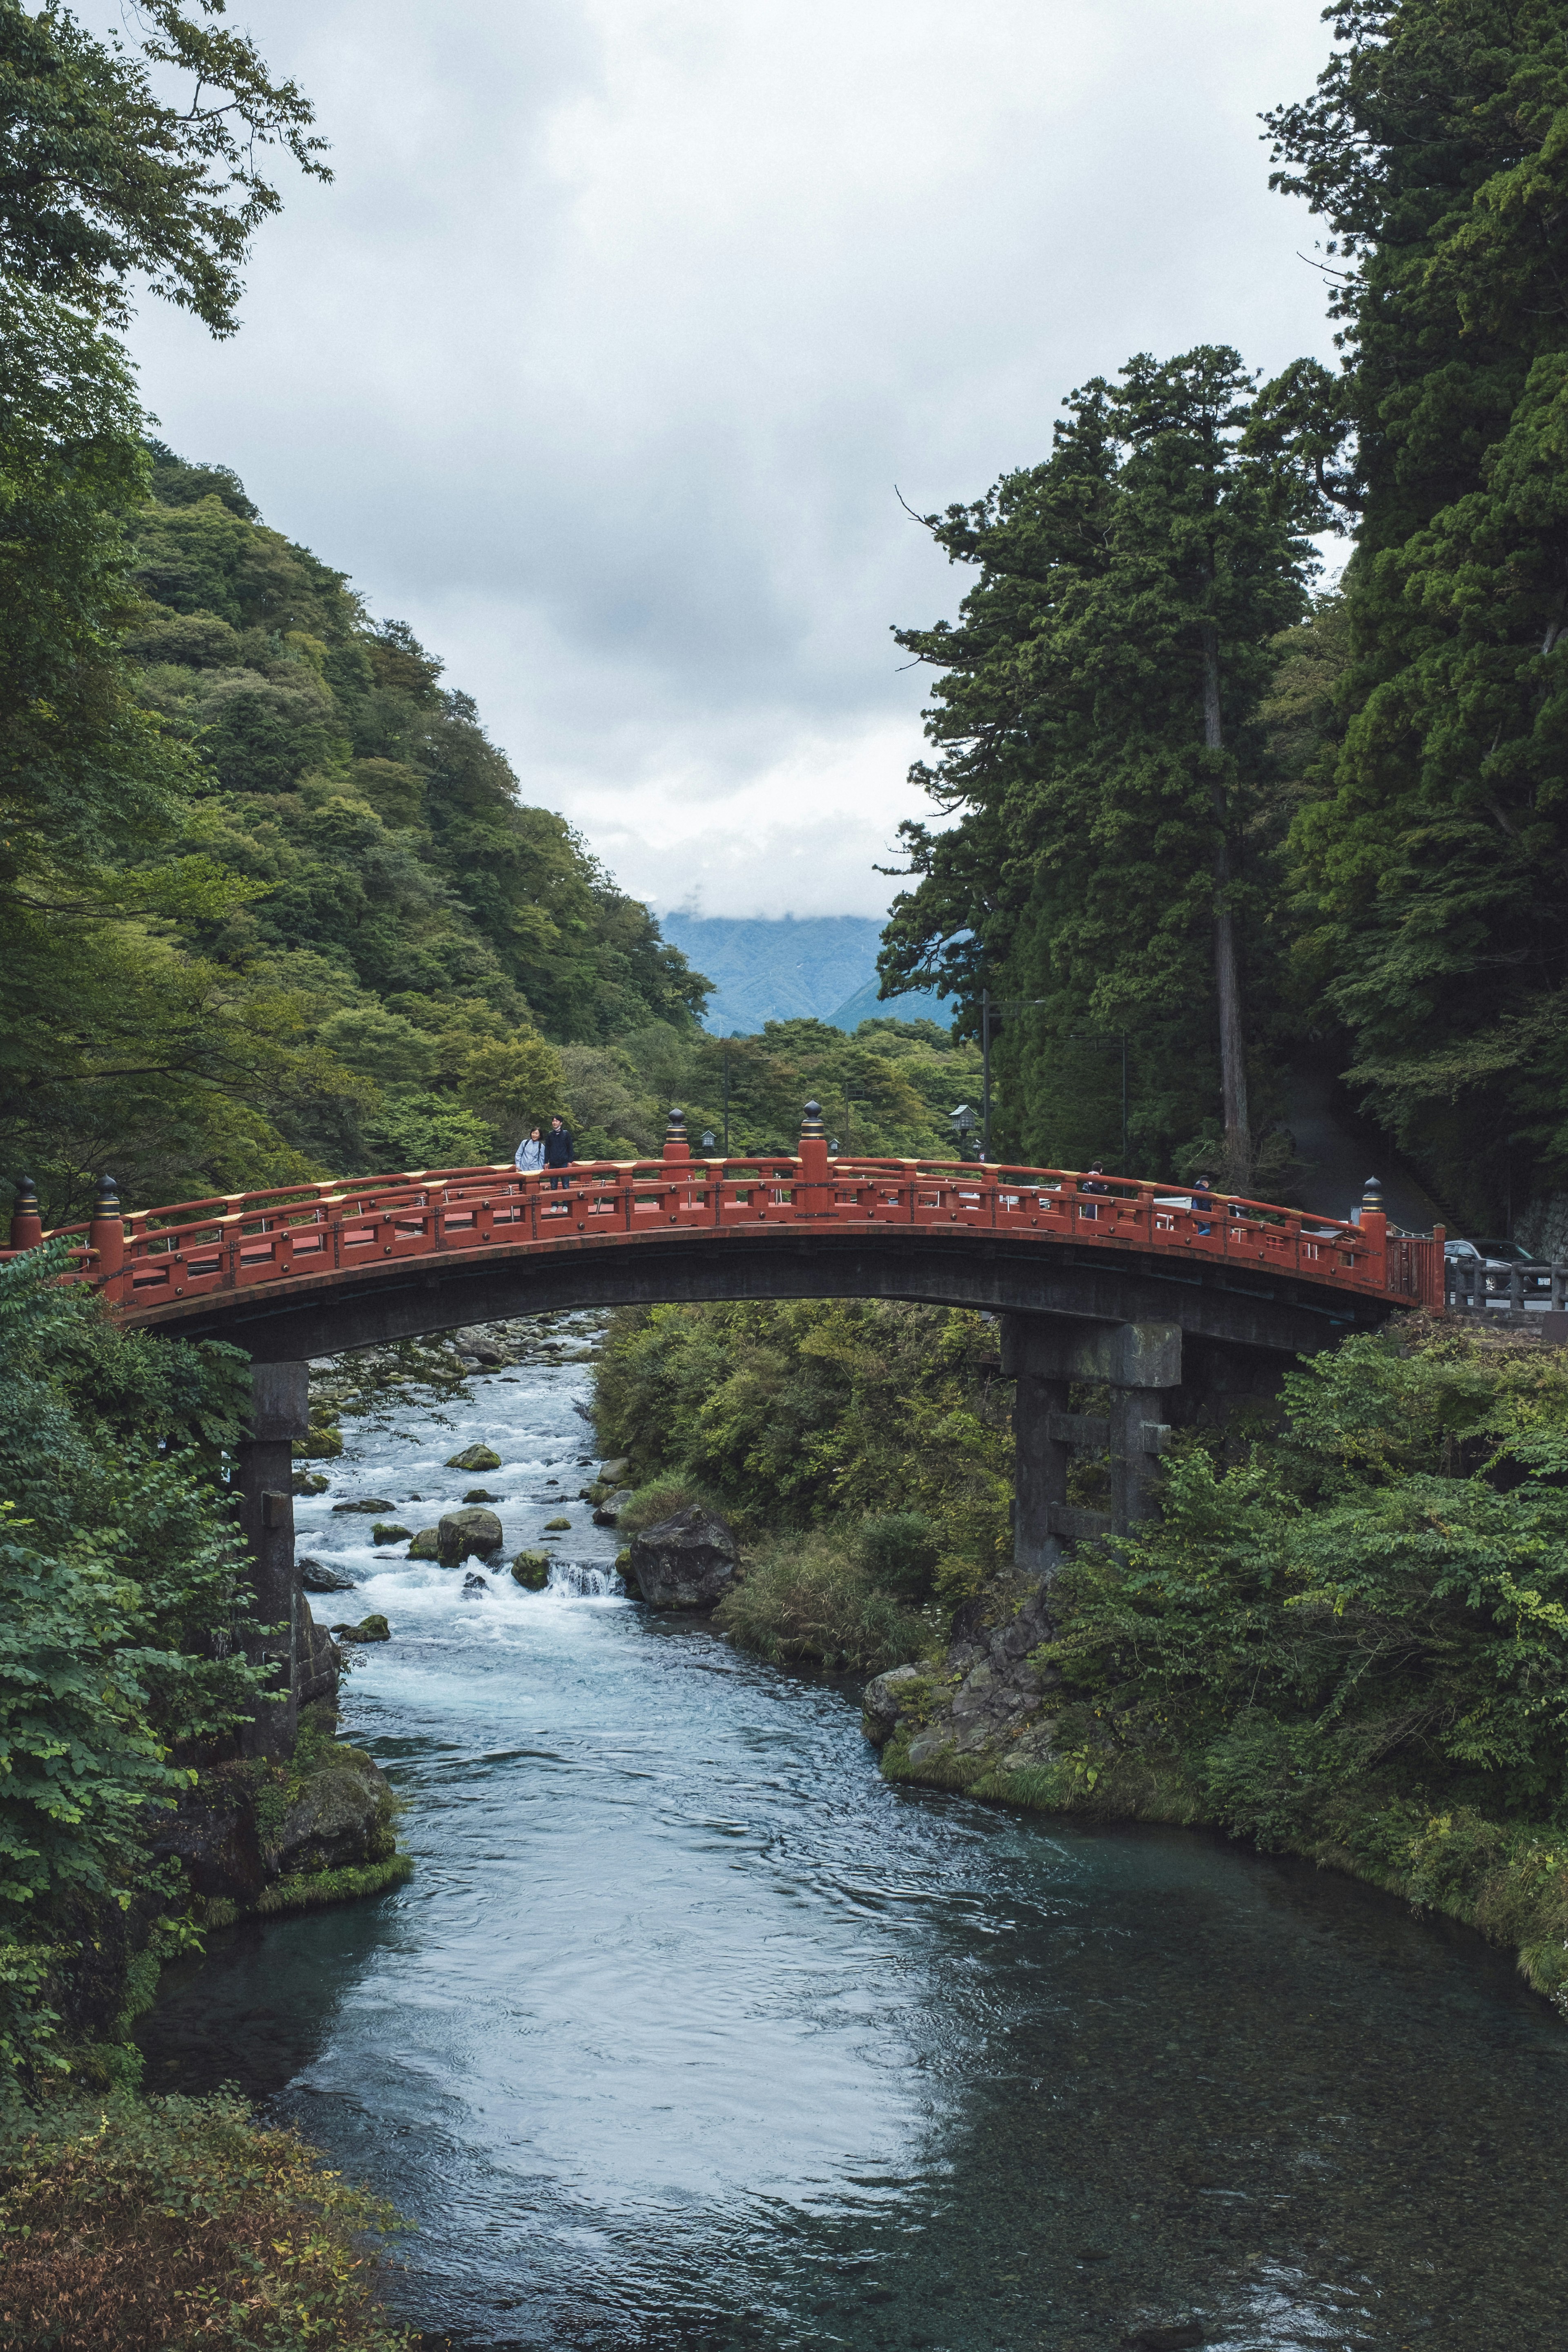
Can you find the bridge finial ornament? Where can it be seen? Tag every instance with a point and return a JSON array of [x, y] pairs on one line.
[[676, 1146], [811, 1121], [26, 1224], [1372, 1196]]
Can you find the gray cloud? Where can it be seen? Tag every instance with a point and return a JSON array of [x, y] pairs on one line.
[[599, 362]]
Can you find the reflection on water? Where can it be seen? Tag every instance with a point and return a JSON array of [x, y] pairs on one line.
[[689, 2031]]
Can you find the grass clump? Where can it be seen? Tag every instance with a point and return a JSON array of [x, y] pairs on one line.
[[166, 2223], [805, 1596]]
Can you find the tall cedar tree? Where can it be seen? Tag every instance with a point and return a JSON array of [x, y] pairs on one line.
[[1098, 719], [1434, 853]]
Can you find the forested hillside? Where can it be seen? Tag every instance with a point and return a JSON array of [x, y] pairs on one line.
[[1199, 805], [364, 945]]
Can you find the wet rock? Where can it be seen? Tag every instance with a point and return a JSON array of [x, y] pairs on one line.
[[426, 1544], [531, 1571], [320, 1661], [484, 1351], [388, 1531], [369, 1629], [458, 1533], [685, 1562], [308, 1482], [474, 1457], [368, 1503], [480, 1494], [989, 1702], [315, 1576], [607, 1511], [557, 1526], [612, 1473], [881, 1706], [340, 1817], [475, 1587]]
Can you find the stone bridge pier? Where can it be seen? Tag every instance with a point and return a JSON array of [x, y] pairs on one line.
[[1156, 1378], [280, 1413]]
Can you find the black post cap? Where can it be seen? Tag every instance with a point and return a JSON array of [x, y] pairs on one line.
[[811, 1122], [106, 1204]]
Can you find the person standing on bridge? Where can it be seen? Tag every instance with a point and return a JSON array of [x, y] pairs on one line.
[[558, 1152], [531, 1153], [1093, 1182]]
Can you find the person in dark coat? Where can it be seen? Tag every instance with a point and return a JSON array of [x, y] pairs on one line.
[[558, 1154], [1094, 1182], [1203, 1201]]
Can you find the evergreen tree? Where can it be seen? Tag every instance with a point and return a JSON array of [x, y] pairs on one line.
[[1433, 851], [1098, 714]]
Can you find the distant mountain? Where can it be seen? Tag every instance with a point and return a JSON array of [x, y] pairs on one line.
[[819, 967], [914, 1004]]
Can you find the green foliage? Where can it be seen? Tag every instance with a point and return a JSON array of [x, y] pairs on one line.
[[802, 1597], [861, 1418], [177, 2222], [1367, 1616], [1431, 849], [108, 170], [1098, 714], [121, 1615]]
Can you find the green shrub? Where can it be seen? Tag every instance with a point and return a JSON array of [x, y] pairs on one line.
[[898, 1551], [659, 1501], [803, 1596], [173, 2223]]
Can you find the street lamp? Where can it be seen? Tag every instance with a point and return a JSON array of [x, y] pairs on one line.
[[962, 1117], [709, 1139]]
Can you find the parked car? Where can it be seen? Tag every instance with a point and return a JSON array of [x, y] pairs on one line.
[[1495, 1261]]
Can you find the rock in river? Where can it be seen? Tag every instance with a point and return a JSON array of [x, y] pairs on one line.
[[388, 1531], [369, 1629], [685, 1562], [317, 1577], [426, 1544], [369, 1503], [531, 1571], [462, 1532], [474, 1457], [886, 1699], [475, 1587]]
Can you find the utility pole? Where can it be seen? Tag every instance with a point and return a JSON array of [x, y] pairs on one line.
[[726, 1097], [984, 1074]]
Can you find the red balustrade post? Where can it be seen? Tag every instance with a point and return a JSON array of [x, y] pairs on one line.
[[1375, 1233], [811, 1196], [105, 1233], [676, 1146], [26, 1224]]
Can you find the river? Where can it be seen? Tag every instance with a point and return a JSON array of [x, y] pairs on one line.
[[689, 2031]]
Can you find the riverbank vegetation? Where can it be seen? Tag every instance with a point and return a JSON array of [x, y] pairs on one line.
[[150, 2224], [860, 1448], [1347, 1639]]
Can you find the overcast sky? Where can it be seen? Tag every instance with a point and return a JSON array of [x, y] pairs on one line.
[[600, 361]]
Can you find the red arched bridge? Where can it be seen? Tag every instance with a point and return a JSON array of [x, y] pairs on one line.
[[1156, 1294]]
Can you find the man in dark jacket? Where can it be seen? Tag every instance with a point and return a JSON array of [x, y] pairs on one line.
[[558, 1152]]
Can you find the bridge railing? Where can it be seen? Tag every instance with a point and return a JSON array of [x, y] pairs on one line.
[[160, 1258]]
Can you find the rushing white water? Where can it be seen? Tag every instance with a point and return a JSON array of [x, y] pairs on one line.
[[689, 2031]]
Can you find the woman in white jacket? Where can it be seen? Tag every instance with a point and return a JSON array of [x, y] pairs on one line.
[[531, 1153]]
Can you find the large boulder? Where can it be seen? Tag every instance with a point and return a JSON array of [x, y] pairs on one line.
[[459, 1533], [368, 1505], [387, 1531], [474, 1457], [607, 1511], [886, 1699], [426, 1544], [315, 1576], [531, 1571], [685, 1562], [342, 1815]]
